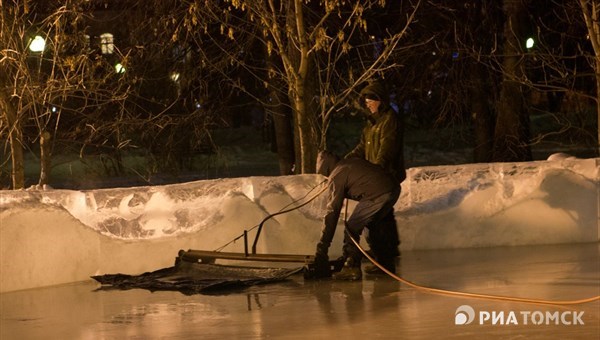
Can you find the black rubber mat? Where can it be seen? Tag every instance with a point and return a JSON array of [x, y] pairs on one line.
[[194, 278]]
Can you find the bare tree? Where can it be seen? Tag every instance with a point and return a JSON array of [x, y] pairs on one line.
[[66, 88], [511, 137], [319, 47], [590, 10], [508, 81], [53, 83]]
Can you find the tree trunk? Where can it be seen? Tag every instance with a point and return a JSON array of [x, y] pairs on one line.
[[16, 151], [481, 114], [45, 158], [15, 138], [511, 137], [284, 137], [598, 100], [307, 137], [278, 108], [591, 14]]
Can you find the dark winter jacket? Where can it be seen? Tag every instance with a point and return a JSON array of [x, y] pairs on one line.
[[353, 178], [381, 141]]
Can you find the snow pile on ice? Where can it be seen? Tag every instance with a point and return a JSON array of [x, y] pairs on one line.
[[478, 205], [171, 210], [473, 205], [440, 207]]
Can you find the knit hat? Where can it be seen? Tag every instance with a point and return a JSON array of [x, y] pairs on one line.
[[372, 96], [376, 91]]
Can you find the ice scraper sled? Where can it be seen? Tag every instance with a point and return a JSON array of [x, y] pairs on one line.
[[309, 269], [206, 256], [195, 272]]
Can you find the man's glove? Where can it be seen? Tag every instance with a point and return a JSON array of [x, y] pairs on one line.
[[320, 268]]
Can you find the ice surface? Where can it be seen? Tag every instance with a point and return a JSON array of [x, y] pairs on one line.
[[472, 205], [373, 308]]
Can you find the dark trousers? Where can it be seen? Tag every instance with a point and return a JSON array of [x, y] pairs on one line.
[[377, 216]]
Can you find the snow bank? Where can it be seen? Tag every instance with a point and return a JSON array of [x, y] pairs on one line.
[[59, 236], [500, 204]]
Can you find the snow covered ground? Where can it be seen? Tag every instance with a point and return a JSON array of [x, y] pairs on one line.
[[51, 237]]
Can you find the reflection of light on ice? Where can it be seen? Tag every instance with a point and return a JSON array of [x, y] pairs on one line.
[[164, 318]]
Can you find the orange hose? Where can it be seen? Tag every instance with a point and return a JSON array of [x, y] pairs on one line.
[[472, 295]]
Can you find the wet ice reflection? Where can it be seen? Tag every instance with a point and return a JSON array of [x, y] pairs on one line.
[[372, 308]]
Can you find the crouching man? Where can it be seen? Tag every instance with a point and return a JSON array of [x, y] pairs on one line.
[[376, 192]]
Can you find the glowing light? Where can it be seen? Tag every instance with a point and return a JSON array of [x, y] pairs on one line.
[[37, 44], [529, 43], [120, 68], [175, 76]]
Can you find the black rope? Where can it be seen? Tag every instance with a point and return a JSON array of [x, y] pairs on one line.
[[281, 211]]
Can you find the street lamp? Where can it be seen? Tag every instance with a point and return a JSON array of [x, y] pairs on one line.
[[37, 45], [529, 43]]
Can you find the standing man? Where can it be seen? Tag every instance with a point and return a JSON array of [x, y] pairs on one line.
[[382, 138], [376, 192], [382, 144]]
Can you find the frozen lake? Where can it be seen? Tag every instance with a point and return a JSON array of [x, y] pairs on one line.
[[376, 307]]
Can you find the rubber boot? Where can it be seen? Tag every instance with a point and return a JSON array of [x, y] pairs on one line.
[[350, 271]]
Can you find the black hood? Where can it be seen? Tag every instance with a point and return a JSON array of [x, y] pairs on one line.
[[326, 162]]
